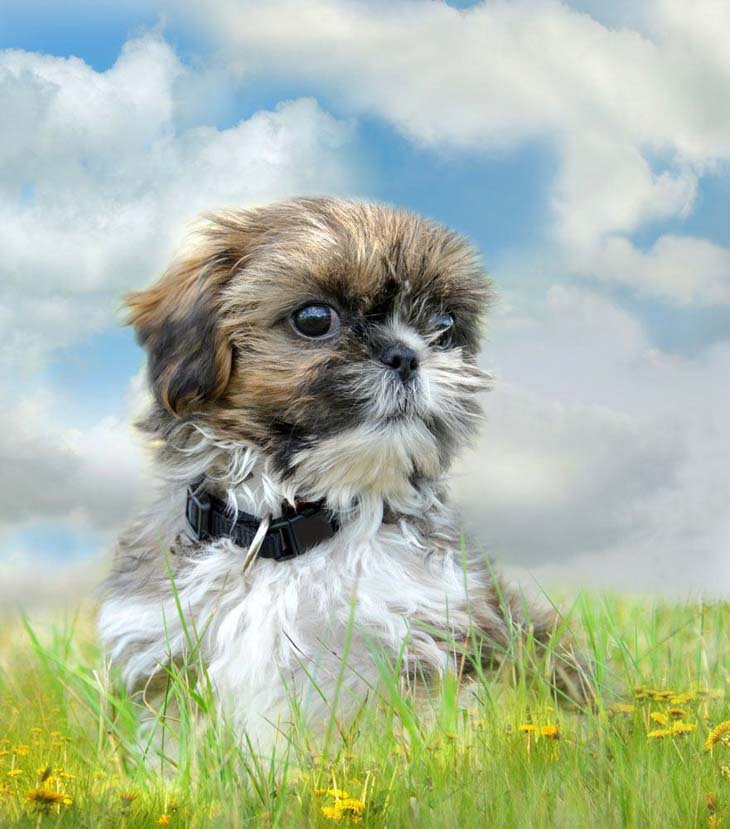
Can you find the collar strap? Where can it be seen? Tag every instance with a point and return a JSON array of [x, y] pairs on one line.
[[297, 531]]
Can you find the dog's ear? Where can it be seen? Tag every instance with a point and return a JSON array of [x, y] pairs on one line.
[[178, 319]]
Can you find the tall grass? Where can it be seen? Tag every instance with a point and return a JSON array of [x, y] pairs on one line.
[[503, 751]]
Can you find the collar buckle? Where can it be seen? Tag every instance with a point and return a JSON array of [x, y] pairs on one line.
[[301, 531], [198, 511]]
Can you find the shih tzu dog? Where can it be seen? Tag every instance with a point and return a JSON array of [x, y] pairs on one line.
[[313, 367]]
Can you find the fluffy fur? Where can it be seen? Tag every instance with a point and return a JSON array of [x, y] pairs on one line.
[[269, 418]]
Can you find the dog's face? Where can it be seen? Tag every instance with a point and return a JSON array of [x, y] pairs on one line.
[[338, 337]]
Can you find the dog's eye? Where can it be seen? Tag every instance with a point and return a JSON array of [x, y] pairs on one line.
[[443, 325], [316, 321]]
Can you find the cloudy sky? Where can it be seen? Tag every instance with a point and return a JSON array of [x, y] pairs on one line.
[[584, 147]]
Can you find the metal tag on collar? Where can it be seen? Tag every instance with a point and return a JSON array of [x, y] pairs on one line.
[[256, 542]]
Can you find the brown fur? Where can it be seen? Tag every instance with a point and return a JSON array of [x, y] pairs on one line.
[[241, 278]]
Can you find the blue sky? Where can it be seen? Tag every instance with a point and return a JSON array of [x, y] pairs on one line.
[[597, 194]]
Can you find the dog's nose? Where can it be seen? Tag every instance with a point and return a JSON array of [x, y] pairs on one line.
[[402, 360]]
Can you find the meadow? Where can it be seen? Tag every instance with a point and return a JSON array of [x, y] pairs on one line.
[[651, 750]]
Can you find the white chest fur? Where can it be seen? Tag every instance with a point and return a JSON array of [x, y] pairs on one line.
[[284, 627]]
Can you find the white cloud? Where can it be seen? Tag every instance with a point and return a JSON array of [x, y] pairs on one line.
[[685, 270], [636, 115], [602, 457], [97, 177], [79, 480]]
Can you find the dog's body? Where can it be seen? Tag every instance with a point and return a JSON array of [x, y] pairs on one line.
[[320, 351]]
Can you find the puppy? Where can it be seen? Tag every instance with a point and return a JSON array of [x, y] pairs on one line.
[[313, 367]]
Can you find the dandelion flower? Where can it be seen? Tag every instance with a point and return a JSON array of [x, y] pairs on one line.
[[15, 772], [339, 793], [351, 806], [163, 820], [621, 708], [683, 727], [683, 698], [658, 734], [45, 798], [527, 728], [677, 713], [663, 694], [127, 799], [659, 717], [21, 750], [551, 732], [718, 733], [331, 812]]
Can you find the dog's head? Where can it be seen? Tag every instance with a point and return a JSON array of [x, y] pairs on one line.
[[338, 337]]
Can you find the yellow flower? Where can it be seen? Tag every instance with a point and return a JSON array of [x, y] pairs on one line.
[[351, 806], [658, 717], [527, 728], [621, 708], [331, 812], [128, 797], [45, 798], [683, 698], [714, 820], [341, 793], [677, 713], [551, 732], [15, 772], [163, 820], [663, 694], [36, 730], [683, 727], [658, 734], [21, 750], [719, 732]]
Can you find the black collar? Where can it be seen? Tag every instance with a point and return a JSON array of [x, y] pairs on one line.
[[297, 531]]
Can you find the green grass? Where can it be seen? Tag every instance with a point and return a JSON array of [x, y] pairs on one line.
[[442, 760]]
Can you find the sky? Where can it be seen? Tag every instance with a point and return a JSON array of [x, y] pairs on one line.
[[585, 149]]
